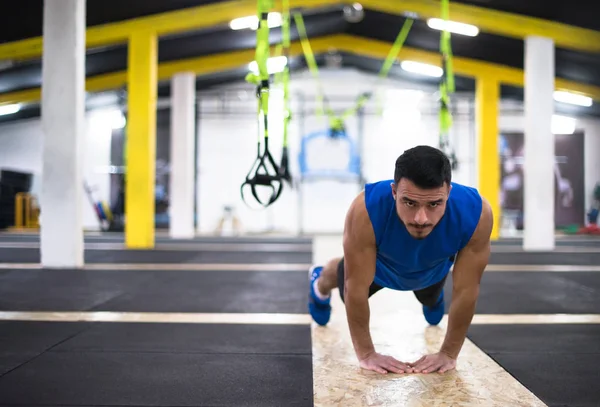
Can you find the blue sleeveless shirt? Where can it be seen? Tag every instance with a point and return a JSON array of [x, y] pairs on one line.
[[405, 263]]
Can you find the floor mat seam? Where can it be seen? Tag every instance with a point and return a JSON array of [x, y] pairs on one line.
[[85, 328]]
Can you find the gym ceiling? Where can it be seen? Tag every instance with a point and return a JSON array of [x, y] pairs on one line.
[[220, 55]]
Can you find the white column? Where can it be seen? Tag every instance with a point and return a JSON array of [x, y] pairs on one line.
[[539, 145], [183, 153], [63, 110]]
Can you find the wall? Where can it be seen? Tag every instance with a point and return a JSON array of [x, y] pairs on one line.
[[227, 147], [21, 149], [592, 157], [227, 142], [96, 163], [512, 120], [227, 136]]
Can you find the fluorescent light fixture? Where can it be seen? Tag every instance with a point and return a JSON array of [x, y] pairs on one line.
[[563, 125], [251, 22], [9, 109], [274, 65], [422, 69], [453, 27], [572, 98]]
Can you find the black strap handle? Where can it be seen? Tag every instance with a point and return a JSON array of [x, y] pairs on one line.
[[284, 167], [265, 178]]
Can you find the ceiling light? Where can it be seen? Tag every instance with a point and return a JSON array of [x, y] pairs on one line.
[[563, 125], [274, 65], [422, 69], [453, 26], [251, 22], [572, 98], [9, 109]]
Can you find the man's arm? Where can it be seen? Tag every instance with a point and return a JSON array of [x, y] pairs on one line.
[[360, 254], [359, 260], [468, 270]]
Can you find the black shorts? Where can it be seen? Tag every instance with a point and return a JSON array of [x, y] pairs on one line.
[[427, 296]]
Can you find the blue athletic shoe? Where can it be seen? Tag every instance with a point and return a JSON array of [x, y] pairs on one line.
[[433, 315], [320, 310]]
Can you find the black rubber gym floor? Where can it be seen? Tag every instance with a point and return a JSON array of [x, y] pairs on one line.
[[100, 364], [536, 293], [571, 240], [151, 363], [587, 258], [119, 238], [153, 291], [177, 364], [588, 242], [32, 255], [558, 363]]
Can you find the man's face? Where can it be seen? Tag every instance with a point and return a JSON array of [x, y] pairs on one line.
[[419, 209]]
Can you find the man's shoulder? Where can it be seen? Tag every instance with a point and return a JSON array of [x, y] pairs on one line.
[[481, 236], [377, 193], [357, 227], [464, 188], [465, 199], [465, 209]]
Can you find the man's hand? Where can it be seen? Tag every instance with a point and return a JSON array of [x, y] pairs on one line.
[[383, 364], [434, 363]]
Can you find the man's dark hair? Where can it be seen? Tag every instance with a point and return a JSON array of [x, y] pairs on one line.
[[427, 167]]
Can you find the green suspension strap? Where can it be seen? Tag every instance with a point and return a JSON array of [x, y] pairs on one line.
[[337, 122], [284, 169], [392, 57], [446, 88], [260, 174], [312, 64]]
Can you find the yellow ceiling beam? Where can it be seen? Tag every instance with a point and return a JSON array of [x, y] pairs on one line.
[[195, 18], [496, 22], [462, 66], [172, 22], [93, 84], [346, 43]]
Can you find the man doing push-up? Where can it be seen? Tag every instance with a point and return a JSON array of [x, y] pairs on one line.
[[405, 234]]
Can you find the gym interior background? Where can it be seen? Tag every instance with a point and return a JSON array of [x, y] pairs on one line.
[[200, 63]]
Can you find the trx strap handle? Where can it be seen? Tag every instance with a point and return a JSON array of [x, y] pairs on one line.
[[284, 168], [446, 88], [259, 174]]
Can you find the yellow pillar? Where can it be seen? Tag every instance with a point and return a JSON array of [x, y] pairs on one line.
[[487, 97], [141, 140]]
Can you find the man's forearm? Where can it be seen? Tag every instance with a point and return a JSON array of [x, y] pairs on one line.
[[358, 313], [460, 316]]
